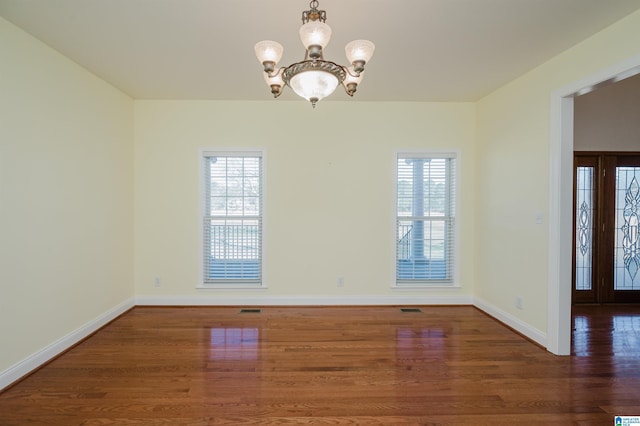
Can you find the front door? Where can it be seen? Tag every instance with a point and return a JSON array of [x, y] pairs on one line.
[[606, 232]]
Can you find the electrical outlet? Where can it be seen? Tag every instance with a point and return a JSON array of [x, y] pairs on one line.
[[519, 302], [340, 281], [157, 282]]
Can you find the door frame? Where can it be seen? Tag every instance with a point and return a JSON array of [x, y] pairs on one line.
[[587, 159], [561, 199]]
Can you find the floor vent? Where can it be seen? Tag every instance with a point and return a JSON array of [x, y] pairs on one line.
[[250, 311], [410, 310]]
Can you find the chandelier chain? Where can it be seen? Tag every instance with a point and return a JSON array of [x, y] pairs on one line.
[[313, 14]]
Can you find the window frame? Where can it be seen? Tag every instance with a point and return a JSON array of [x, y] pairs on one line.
[[235, 284], [427, 283]]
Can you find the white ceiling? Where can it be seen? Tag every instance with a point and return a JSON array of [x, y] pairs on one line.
[[426, 50]]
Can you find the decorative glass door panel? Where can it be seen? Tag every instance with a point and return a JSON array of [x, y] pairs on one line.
[[626, 274], [585, 237], [606, 249], [585, 212]]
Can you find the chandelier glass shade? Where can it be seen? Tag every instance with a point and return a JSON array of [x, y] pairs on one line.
[[314, 78], [313, 84]]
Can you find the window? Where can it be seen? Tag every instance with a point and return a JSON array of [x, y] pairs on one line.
[[232, 219], [425, 219]]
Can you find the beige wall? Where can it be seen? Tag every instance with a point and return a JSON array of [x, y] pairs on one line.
[[513, 169], [329, 195], [66, 164], [608, 119]]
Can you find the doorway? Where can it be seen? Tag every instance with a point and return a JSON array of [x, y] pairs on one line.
[[606, 231]]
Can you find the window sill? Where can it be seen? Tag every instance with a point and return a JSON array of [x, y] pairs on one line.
[[434, 286], [231, 287]]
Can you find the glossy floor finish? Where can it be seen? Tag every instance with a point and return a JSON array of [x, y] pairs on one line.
[[332, 365], [607, 330]]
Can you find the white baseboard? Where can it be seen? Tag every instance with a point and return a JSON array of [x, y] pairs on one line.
[[29, 364], [521, 327], [147, 300]]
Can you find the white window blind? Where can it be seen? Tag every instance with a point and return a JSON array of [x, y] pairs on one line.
[[425, 219], [232, 220]]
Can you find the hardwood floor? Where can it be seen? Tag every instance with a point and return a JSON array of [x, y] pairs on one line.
[[608, 330], [332, 365]]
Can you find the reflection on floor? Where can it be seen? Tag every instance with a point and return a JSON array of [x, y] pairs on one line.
[[611, 330]]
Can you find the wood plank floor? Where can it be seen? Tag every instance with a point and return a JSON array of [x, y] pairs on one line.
[[333, 365]]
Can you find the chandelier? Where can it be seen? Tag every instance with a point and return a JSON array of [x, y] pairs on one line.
[[314, 78]]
